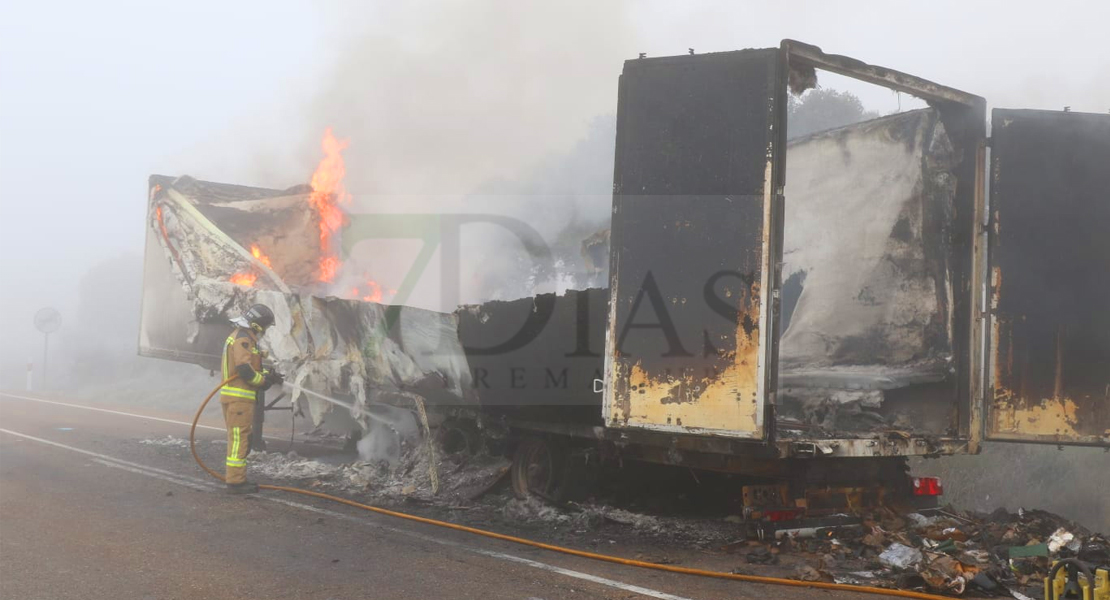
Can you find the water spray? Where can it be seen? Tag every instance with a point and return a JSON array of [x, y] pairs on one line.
[[351, 407], [421, 413]]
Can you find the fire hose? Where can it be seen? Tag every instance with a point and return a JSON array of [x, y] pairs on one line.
[[553, 548]]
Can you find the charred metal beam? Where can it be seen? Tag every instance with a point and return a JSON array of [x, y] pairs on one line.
[[801, 56]]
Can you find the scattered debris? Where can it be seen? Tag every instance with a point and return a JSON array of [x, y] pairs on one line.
[[1062, 538], [900, 556], [808, 573], [1028, 551], [168, 441], [942, 551], [762, 556], [984, 582], [949, 551], [288, 466]]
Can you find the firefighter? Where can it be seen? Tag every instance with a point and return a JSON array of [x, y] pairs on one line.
[[242, 357]]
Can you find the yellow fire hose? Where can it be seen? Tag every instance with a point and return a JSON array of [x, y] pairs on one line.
[[516, 540]]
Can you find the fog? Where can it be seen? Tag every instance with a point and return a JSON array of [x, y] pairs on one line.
[[436, 98], [440, 101]]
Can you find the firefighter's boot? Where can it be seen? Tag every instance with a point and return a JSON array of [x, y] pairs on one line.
[[245, 487]]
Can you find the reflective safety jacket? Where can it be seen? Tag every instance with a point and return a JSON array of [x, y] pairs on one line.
[[241, 357]]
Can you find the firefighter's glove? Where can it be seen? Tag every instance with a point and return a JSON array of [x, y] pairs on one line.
[[272, 378]]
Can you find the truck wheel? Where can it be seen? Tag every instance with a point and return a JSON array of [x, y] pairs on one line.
[[538, 470], [456, 437]]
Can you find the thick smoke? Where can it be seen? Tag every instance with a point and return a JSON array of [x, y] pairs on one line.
[[469, 107], [388, 431], [564, 199], [439, 99]]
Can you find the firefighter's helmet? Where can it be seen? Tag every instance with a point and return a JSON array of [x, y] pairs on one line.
[[259, 317]]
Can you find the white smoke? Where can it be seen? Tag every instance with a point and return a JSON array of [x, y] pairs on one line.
[[387, 433]]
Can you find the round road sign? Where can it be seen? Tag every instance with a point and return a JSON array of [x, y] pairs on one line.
[[48, 320]]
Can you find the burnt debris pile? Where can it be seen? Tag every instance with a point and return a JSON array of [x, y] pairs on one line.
[[941, 551]]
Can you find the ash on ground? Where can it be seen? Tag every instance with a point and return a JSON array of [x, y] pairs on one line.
[[944, 551], [166, 442], [410, 479]]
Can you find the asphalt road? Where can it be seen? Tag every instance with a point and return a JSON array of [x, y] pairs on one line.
[[88, 511]]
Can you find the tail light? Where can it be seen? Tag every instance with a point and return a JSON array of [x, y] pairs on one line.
[[927, 486], [782, 515]]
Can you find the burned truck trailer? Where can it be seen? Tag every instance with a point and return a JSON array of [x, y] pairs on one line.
[[807, 313]]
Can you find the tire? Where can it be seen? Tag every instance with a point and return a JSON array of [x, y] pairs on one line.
[[458, 437], [539, 470]]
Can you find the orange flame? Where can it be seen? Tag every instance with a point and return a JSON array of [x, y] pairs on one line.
[[246, 279], [374, 292], [161, 223], [327, 194], [257, 253]]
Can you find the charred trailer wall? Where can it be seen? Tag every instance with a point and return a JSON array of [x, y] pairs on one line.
[[168, 328], [868, 318], [200, 272], [537, 358], [695, 232], [868, 337], [198, 237], [1050, 277]]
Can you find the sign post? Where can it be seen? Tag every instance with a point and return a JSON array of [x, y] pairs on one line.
[[47, 320]]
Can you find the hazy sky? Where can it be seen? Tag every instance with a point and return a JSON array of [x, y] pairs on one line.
[[435, 96]]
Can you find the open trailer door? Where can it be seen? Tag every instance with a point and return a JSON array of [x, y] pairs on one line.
[[695, 237], [1050, 278]]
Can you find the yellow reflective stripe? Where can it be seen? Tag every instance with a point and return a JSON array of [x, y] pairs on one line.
[[230, 341], [233, 451], [238, 394], [236, 463], [256, 380]]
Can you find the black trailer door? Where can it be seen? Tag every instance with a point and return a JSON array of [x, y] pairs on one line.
[[1050, 277], [695, 235]]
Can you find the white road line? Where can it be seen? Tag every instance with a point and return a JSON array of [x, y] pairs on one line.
[[105, 410], [96, 455], [196, 484], [188, 484], [71, 448], [490, 553], [121, 413]]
